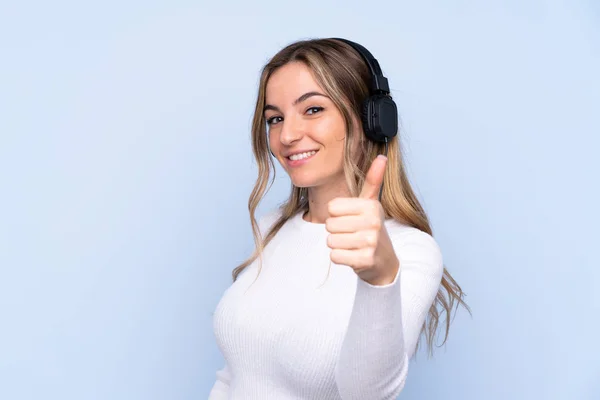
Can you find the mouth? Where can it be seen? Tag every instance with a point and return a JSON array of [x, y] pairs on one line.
[[302, 156], [296, 160]]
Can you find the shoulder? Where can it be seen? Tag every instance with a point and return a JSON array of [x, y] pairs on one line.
[[266, 220], [416, 247]]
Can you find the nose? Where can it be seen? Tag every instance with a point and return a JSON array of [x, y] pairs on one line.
[[291, 131]]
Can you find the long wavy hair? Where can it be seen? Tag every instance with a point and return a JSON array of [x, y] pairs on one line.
[[345, 77]]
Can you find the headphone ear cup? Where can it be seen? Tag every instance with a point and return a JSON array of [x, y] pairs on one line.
[[379, 116]]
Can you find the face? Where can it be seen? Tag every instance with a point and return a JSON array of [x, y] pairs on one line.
[[306, 130]]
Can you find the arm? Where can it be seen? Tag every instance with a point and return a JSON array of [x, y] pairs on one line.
[[386, 321], [220, 390]]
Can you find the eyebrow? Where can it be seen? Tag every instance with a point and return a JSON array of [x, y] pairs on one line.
[[298, 100]]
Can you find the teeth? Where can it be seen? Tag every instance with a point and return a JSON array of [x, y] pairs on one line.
[[296, 157]]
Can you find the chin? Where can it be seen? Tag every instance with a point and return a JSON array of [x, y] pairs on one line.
[[309, 180], [305, 179], [305, 182]]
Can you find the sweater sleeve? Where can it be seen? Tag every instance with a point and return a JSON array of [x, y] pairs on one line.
[[220, 389], [386, 321]]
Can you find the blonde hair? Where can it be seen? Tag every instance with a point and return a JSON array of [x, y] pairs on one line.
[[343, 74]]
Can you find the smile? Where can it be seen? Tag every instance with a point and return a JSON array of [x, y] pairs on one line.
[[302, 156], [297, 160]]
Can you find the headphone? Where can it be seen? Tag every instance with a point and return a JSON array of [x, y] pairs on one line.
[[379, 113]]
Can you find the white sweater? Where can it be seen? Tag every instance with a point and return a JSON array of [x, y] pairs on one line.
[[297, 334]]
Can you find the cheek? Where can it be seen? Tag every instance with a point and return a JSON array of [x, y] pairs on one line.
[[272, 141], [333, 136], [275, 147]]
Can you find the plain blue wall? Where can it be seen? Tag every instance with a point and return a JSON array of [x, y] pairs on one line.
[[125, 168]]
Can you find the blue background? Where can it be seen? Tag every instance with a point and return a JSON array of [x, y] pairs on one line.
[[125, 167]]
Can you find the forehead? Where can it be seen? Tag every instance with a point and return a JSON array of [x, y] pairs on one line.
[[289, 82]]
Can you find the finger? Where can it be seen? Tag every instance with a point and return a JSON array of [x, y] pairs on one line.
[[374, 178], [349, 206], [356, 259], [351, 241], [352, 223]]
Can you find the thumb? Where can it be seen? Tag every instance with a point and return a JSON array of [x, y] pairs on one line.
[[374, 178]]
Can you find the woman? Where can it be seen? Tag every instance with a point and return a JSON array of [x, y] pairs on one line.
[[346, 276]]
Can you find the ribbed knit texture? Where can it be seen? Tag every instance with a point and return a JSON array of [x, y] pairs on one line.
[[296, 333]]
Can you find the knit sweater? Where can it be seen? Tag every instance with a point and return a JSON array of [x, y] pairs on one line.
[[296, 332]]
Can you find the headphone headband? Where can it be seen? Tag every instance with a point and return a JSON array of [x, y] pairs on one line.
[[379, 83], [379, 113]]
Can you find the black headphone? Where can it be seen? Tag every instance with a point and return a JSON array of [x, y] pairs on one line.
[[379, 112]]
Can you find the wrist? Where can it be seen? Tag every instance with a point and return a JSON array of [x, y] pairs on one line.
[[384, 278]]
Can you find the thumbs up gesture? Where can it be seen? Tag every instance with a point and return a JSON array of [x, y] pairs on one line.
[[358, 237]]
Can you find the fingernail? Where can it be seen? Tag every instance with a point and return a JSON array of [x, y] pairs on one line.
[[383, 157]]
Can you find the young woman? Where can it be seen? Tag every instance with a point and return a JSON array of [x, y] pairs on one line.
[[346, 276]]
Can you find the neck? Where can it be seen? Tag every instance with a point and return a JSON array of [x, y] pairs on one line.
[[320, 196]]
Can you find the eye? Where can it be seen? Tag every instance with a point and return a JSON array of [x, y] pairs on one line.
[[273, 120], [314, 109]]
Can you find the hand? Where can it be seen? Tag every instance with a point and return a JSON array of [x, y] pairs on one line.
[[358, 237]]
